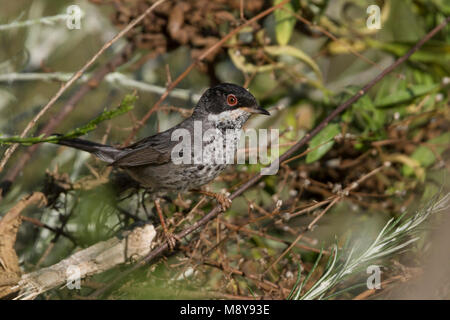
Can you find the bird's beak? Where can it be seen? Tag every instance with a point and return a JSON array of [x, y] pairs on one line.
[[256, 109]]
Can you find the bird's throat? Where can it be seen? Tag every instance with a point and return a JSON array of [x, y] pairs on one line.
[[229, 120]]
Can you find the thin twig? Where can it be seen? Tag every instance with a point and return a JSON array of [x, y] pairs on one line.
[[205, 54], [44, 20], [115, 78], [334, 38], [264, 235], [40, 224], [301, 235], [69, 106], [217, 209], [74, 78]]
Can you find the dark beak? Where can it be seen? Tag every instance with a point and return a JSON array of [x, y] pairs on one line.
[[257, 109]]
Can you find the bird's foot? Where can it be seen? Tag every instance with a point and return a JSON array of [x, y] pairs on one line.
[[224, 201], [171, 240]]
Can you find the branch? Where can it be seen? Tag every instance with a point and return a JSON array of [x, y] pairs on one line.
[[102, 256], [396, 234], [126, 105], [117, 78], [70, 105], [302, 142], [9, 226], [75, 77], [44, 20], [205, 54]]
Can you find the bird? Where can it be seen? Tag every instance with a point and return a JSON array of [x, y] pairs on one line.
[[221, 111]]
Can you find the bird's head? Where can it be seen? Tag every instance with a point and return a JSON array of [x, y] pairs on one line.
[[227, 102]]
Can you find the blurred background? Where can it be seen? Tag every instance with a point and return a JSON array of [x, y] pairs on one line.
[[300, 61]]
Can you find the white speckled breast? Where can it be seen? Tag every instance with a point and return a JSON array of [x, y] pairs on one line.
[[170, 177]]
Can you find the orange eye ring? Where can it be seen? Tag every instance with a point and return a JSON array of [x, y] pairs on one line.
[[232, 100]]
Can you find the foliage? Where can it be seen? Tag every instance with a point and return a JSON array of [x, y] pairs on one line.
[[126, 105], [396, 235], [296, 233]]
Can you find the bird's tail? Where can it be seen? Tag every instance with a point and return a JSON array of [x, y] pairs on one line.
[[102, 151]]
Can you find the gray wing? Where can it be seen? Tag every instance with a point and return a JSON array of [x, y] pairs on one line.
[[143, 156], [155, 149]]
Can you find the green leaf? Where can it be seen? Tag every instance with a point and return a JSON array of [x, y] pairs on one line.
[[443, 6], [432, 52], [371, 118], [285, 22], [296, 53], [126, 105], [405, 95], [425, 156], [324, 139]]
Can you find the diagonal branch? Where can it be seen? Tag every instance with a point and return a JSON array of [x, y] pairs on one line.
[[75, 77], [69, 106], [205, 54], [302, 142], [102, 256]]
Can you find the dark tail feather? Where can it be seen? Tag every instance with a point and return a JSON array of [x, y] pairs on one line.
[[102, 151]]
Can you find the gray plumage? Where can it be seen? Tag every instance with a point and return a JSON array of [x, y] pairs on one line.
[[149, 161]]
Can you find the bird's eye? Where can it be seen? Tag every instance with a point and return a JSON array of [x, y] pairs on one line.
[[232, 100]]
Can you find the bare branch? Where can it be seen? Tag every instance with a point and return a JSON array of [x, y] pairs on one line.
[[102, 256], [302, 142], [74, 78]]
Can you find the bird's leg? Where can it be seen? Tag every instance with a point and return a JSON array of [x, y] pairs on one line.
[[143, 204], [179, 201], [170, 237], [224, 201]]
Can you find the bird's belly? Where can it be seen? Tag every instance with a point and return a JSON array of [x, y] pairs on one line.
[[170, 177]]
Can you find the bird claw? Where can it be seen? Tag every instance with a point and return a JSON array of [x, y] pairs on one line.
[[224, 201], [171, 240]]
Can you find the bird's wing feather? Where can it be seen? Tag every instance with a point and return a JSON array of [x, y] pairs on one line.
[[156, 149], [151, 150], [144, 156]]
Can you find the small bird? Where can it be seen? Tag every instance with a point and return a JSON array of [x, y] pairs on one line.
[[224, 109]]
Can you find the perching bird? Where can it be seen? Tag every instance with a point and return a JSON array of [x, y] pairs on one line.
[[222, 109]]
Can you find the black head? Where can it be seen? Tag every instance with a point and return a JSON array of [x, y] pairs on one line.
[[227, 97]]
